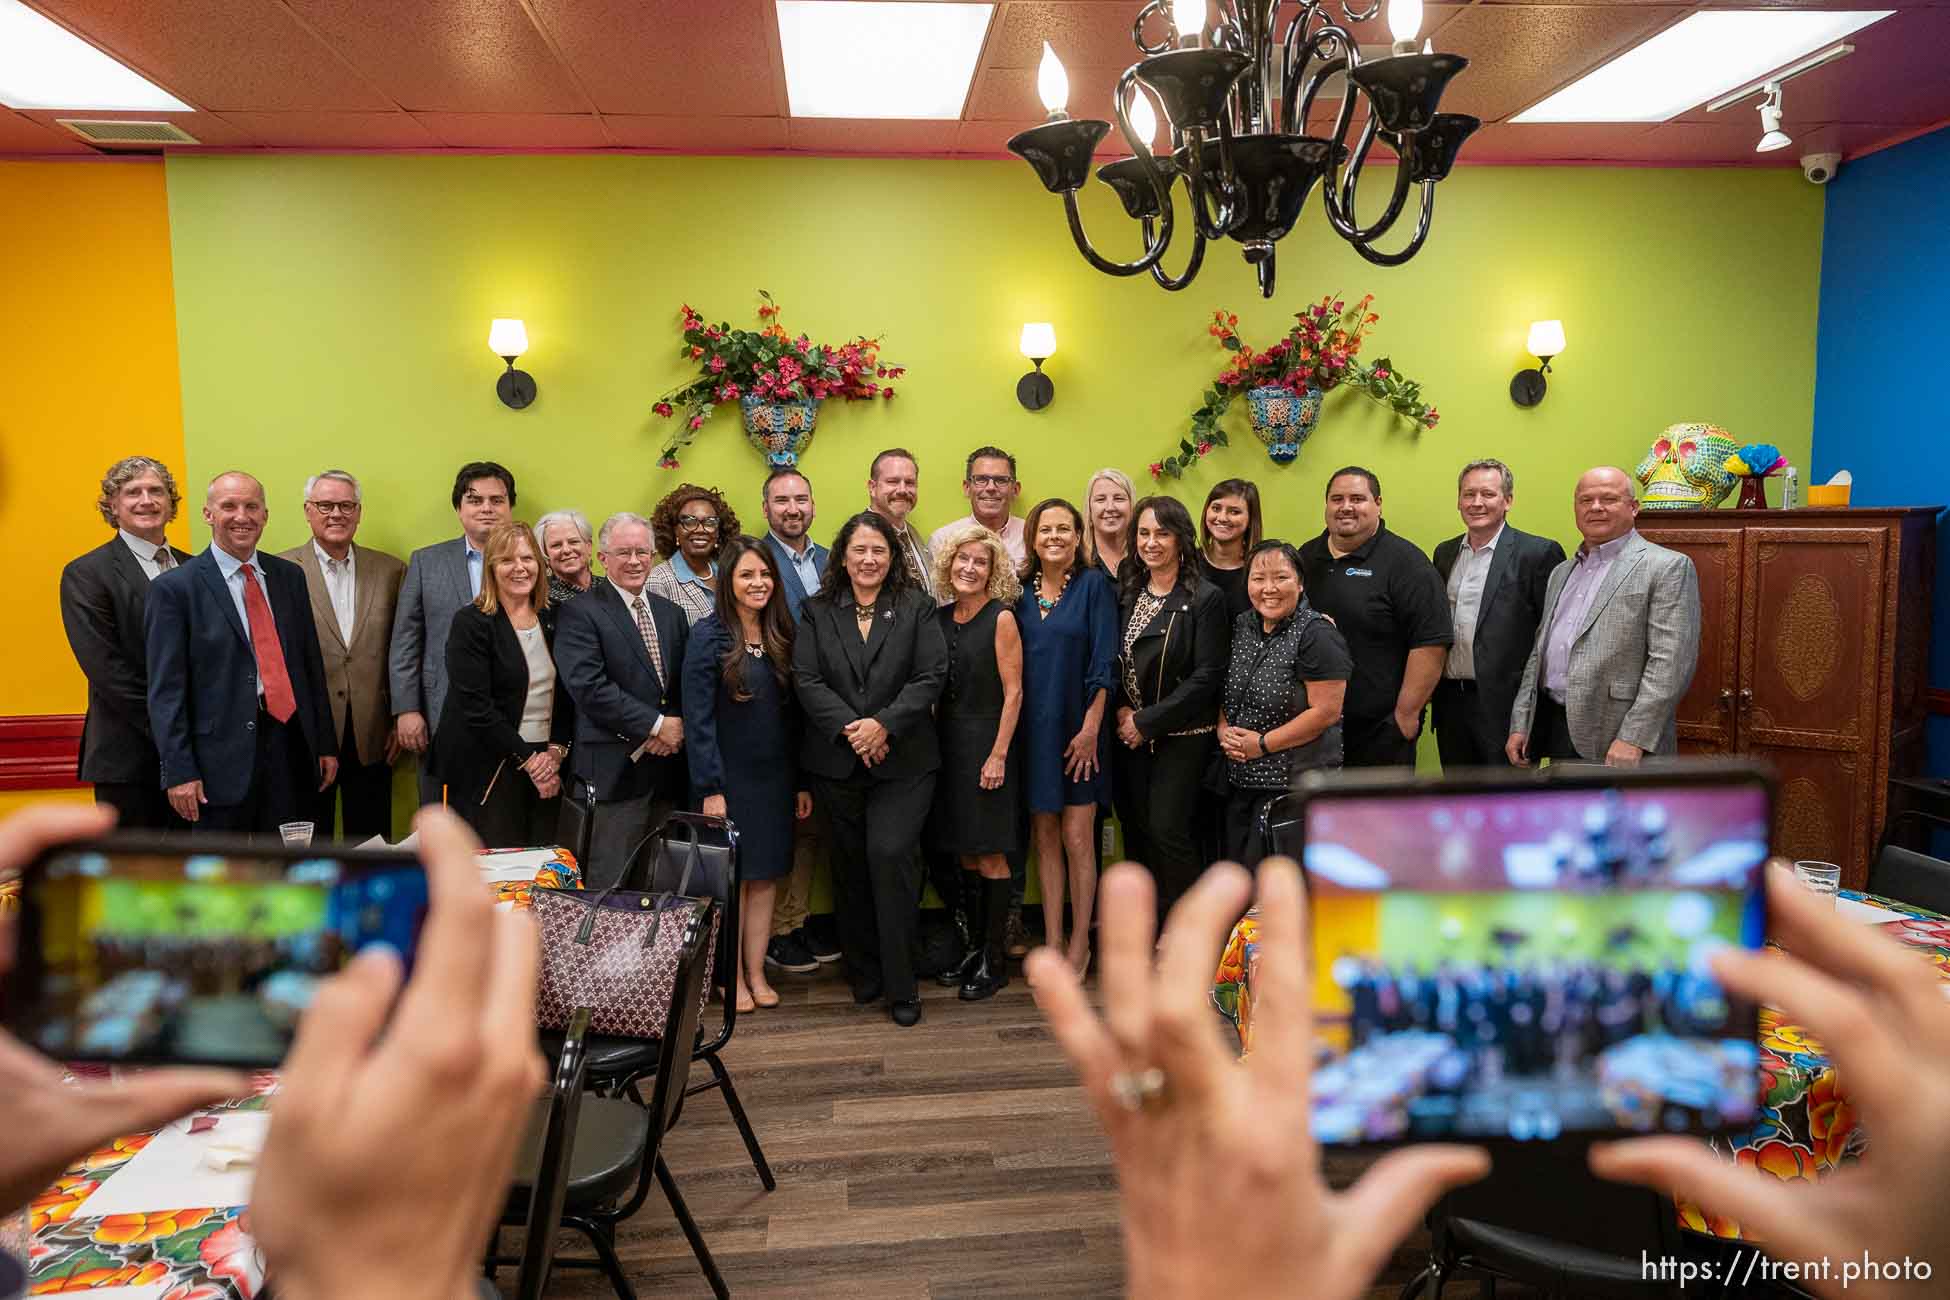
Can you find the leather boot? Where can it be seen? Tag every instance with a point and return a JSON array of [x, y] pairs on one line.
[[964, 970], [992, 975]]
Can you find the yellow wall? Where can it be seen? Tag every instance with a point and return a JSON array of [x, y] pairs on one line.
[[88, 342]]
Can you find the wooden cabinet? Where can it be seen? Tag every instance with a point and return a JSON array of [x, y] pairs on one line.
[[1813, 655]]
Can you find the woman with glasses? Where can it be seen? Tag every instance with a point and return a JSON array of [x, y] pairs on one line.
[[688, 525]]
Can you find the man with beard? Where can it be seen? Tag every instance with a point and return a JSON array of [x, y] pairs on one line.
[[893, 485], [990, 484], [788, 498]]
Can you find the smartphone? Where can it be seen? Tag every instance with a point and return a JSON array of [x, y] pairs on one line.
[[1519, 959], [154, 951]]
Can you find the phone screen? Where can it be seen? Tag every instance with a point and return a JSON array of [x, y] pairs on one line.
[[156, 955], [1527, 964]]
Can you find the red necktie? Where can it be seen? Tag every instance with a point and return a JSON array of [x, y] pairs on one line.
[[279, 702]]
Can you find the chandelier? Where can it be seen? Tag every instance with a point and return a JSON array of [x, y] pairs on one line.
[[1236, 93]]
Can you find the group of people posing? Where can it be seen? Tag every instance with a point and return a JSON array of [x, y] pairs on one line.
[[900, 705]]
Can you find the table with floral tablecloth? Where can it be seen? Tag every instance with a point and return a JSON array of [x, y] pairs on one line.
[[201, 1252], [1807, 1126]]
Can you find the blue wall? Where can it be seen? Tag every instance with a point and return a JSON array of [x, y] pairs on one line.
[[1882, 368]]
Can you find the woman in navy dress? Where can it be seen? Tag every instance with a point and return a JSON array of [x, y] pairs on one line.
[[741, 733], [1068, 620]]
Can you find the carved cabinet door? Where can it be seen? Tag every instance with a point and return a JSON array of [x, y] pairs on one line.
[[1706, 711], [1812, 614]]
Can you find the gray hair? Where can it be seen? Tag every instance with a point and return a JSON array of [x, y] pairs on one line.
[[574, 518], [337, 476], [618, 520], [125, 471], [1509, 479]]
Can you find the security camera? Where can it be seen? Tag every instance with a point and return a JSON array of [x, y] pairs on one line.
[[1820, 168]]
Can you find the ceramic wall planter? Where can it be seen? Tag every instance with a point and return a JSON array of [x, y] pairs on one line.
[[1282, 419], [780, 430]]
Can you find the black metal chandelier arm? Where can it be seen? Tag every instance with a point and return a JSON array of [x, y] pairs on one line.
[[1152, 252], [1175, 283], [1204, 188], [1352, 178], [1141, 150], [1318, 46], [1415, 244], [1160, 8], [1340, 218]]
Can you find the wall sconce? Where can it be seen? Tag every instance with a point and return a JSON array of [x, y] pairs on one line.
[[1546, 341], [1034, 390], [508, 339]]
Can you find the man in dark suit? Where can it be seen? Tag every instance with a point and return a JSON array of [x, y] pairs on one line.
[[354, 590], [788, 497], [439, 580], [619, 650], [236, 684], [103, 594], [1495, 575]]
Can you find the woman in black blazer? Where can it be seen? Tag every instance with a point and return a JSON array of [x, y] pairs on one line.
[[868, 664], [505, 728], [1175, 646]]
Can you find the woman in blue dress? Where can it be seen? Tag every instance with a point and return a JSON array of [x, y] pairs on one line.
[[1068, 621]]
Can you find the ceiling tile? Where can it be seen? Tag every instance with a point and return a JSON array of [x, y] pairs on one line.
[[1533, 142], [871, 135], [516, 130], [660, 57], [1009, 94], [1896, 75], [1518, 54], [454, 56], [19, 136], [1086, 35], [220, 54], [1696, 142], [336, 130], [698, 134], [209, 129]]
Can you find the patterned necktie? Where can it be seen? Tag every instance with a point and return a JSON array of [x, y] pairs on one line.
[[164, 560], [648, 630], [279, 702]]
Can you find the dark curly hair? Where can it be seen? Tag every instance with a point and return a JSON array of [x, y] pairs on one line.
[[898, 578], [663, 521], [1175, 519]]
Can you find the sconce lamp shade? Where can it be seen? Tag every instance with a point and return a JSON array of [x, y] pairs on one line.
[[507, 338], [1038, 340], [1546, 338]]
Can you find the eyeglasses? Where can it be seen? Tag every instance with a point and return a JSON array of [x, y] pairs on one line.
[[991, 480], [696, 522], [632, 555], [334, 507]]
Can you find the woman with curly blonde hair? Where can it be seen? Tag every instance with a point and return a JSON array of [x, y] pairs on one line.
[[977, 812], [688, 528]]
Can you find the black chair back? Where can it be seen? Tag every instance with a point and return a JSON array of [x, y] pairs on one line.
[[706, 848], [680, 1031], [1910, 875], [551, 1187]]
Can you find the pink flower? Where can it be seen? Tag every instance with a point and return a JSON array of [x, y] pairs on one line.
[[717, 365], [1157, 468], [668, 462], [696, 352], [662, 408], [1204, 447], [887, 393], [697, 422], [1380, 373]]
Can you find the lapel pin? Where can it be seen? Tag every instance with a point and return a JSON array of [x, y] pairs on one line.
[[888, 615]]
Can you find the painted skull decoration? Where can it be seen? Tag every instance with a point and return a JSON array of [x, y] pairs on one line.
[[1687, 468]]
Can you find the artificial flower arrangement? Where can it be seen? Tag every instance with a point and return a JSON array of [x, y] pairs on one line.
[[766, 366], [1320, 353], [1757, 460]]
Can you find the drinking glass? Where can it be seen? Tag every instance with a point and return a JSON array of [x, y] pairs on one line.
[[297, 834], [1819, 877]]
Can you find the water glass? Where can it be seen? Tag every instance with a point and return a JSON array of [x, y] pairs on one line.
[[296, 834], [1819, 877]]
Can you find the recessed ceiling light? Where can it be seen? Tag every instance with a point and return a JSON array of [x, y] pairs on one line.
[[849, 59], [1694, 60], [44, 65]]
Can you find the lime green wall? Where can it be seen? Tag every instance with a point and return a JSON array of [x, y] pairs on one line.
[[334, 310], [1567, 927]]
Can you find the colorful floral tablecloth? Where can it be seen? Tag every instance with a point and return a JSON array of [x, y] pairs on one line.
[[1807, 1125], [202, 1252]]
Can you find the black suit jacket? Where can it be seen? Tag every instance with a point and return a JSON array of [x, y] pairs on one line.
[[895, 676], [203, 674], [1179, 659], [618, 693], [1507, 619], [487, 689], [103, 594]]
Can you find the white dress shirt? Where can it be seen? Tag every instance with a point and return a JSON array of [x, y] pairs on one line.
[[340, 580], [145, 554], [232, 569], [473, 568], [1467, 579]]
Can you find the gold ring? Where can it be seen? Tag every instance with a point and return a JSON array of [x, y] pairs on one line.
[[1139, 1090]]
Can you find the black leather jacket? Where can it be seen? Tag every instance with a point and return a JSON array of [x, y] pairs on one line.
[[1178, 660]]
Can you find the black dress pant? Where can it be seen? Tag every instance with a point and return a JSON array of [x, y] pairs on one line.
[[139, 805], [1375, 742], [1158, 788], [362, 792], [1465, 734], [512, 815], [874, 834], [1244, 844], [1550, 732], [284, 779]]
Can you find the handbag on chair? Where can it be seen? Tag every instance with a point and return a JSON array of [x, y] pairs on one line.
[[616, 953]]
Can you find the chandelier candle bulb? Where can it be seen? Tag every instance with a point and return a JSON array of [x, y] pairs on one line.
[[1144, 121], [1053, 84], [1405, 24], [1188, 16]]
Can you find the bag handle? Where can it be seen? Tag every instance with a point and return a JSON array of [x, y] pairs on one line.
[[587, 929]]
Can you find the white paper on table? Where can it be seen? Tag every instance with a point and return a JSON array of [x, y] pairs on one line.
[[171, 1174], [1867, 913]]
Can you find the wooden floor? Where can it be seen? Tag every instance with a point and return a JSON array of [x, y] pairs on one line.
[[956, 1158]]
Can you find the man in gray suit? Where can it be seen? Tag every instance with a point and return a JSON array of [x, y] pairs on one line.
[[354, 591], [1617, 643], [439, 580]]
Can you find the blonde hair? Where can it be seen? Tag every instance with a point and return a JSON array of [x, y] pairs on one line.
[[1121, 479], [1004, 585], [500, 544]]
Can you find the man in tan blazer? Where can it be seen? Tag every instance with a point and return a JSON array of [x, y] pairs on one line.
[[353, 593], [1616, 647]]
